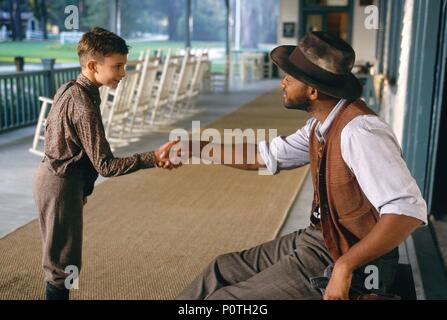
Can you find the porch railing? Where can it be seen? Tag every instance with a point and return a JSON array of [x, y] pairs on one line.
[[20, 91]]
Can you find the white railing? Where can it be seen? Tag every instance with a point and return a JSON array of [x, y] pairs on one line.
[[70, 37], [157, 92]]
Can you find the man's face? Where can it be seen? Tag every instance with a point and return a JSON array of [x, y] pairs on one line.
[[111, 70], [294, 94]]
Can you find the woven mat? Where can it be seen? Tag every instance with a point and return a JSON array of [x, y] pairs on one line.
[[148, 234]]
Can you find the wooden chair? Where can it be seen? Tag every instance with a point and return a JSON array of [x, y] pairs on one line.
[[107, 94], [207, 77], [179, 96], [120, 110], [163, 89], [39, 134], [144, 96], [194, 89]]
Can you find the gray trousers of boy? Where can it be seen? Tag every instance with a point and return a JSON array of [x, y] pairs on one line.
[[59, 203], [277, 270]]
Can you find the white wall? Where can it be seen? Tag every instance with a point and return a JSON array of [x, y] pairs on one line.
[[288, 12]]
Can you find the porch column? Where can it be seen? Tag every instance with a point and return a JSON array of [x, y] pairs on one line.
[[227, 47], [115, 13], [188, 21]]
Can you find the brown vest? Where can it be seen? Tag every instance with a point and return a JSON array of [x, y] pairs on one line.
[[346, 214]]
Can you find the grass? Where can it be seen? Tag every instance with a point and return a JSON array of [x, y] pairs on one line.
[[33, 51]]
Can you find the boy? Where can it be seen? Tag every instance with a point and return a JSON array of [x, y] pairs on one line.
[[76, 150]]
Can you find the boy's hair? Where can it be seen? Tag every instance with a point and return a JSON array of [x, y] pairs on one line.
[[99, 43]]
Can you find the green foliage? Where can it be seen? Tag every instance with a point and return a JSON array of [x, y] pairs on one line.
[[34, 51], [147, 16], [209, 20], [96, 14]]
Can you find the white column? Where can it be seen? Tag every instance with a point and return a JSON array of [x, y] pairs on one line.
[[237, 41]]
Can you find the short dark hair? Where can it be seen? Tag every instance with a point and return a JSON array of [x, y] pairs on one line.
[[99, 43]]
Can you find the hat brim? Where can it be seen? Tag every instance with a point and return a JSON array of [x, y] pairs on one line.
[[349, 88]]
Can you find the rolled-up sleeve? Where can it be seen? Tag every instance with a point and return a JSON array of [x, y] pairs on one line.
[[372, 152], [287, 152]]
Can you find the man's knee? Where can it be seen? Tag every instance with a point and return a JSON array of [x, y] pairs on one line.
[[225, 260], [224, 293]]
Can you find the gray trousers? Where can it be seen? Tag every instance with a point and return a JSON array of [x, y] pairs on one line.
[[59, 203], [277, 270]]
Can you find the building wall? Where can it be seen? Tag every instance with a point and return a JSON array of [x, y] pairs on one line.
[[363, 40], [288, 12]]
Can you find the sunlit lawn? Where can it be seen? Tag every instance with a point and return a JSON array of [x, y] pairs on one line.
[[33, 51]]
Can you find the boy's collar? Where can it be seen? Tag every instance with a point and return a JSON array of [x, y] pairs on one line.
[[90, 86], [86, 81]]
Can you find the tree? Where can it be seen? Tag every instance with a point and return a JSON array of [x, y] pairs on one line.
[[43, 10], [174, 10], [16, 20], [259, 20], [39, 8], [209, 20], [95, 14]]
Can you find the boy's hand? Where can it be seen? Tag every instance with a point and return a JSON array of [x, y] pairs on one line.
[[162, 156]]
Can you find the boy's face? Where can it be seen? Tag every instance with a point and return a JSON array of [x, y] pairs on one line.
[[111, 70]]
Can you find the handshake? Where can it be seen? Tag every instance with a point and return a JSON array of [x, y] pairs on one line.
[[169, 160]]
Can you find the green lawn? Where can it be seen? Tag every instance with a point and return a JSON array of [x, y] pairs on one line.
[[33, 51]]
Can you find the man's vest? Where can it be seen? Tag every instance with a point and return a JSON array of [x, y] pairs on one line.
[[346, 214]]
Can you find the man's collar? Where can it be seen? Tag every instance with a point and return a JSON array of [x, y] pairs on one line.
[[322, 128]]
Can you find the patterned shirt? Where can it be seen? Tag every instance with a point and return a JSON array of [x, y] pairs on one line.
[[75, 138]]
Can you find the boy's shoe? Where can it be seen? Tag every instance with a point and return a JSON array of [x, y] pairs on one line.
[[54, 293]]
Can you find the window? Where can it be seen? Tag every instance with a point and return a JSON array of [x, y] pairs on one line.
[[389, 38], [380, 42], [333, 16], [335, 3], [395, 39]]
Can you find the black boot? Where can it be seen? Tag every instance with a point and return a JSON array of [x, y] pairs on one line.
[[54, 293]]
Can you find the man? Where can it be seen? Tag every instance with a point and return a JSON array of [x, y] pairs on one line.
[[365, 201]]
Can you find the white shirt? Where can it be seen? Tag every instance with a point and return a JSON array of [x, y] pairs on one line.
[[370, 149]]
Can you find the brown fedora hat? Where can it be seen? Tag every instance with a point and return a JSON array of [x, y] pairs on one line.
[[322, 61]]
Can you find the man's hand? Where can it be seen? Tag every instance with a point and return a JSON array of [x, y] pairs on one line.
[[390, 231], [162, 156], [339, 284]]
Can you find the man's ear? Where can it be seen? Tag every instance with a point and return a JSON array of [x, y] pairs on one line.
[[312, 93], [92, 65]]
